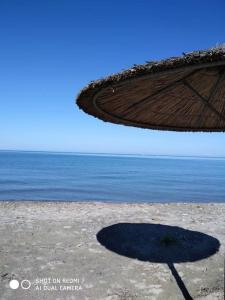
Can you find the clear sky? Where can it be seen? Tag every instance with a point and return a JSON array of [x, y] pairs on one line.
[[50, 49]]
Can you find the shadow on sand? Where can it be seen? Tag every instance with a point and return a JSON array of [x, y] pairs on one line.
[[159, 244]]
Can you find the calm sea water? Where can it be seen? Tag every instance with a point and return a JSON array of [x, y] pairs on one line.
[[60, 176]]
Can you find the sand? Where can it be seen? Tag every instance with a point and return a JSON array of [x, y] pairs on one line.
[[51, 249]]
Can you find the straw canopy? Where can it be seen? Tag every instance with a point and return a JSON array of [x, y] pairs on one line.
[[184, 93]]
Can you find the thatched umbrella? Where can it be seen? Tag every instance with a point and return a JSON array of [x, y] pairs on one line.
[[184, 93]]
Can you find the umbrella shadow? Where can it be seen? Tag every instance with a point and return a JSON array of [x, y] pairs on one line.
[[159, 243]]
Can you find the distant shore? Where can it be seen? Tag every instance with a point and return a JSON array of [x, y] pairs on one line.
[[45, 241]]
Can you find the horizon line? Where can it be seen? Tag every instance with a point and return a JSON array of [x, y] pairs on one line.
[[112, 154]]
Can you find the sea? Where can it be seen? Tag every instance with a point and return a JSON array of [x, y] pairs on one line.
[[53, 176]]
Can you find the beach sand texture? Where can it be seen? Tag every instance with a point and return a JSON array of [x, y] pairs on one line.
[[44, 242]]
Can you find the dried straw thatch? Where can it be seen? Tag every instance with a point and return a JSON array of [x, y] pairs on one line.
[[180, 93]]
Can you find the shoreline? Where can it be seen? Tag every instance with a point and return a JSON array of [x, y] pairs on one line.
[[46, 239], [114, 202]]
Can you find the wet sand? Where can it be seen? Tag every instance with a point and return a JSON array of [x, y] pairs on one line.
[[52, 247]]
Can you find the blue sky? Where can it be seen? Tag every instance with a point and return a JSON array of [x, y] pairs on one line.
[[51, 49]]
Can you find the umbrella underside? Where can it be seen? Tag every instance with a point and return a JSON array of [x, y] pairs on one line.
[[183, 100], [187, 98]]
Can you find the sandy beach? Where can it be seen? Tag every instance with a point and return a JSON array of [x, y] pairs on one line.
[[56, 251]]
